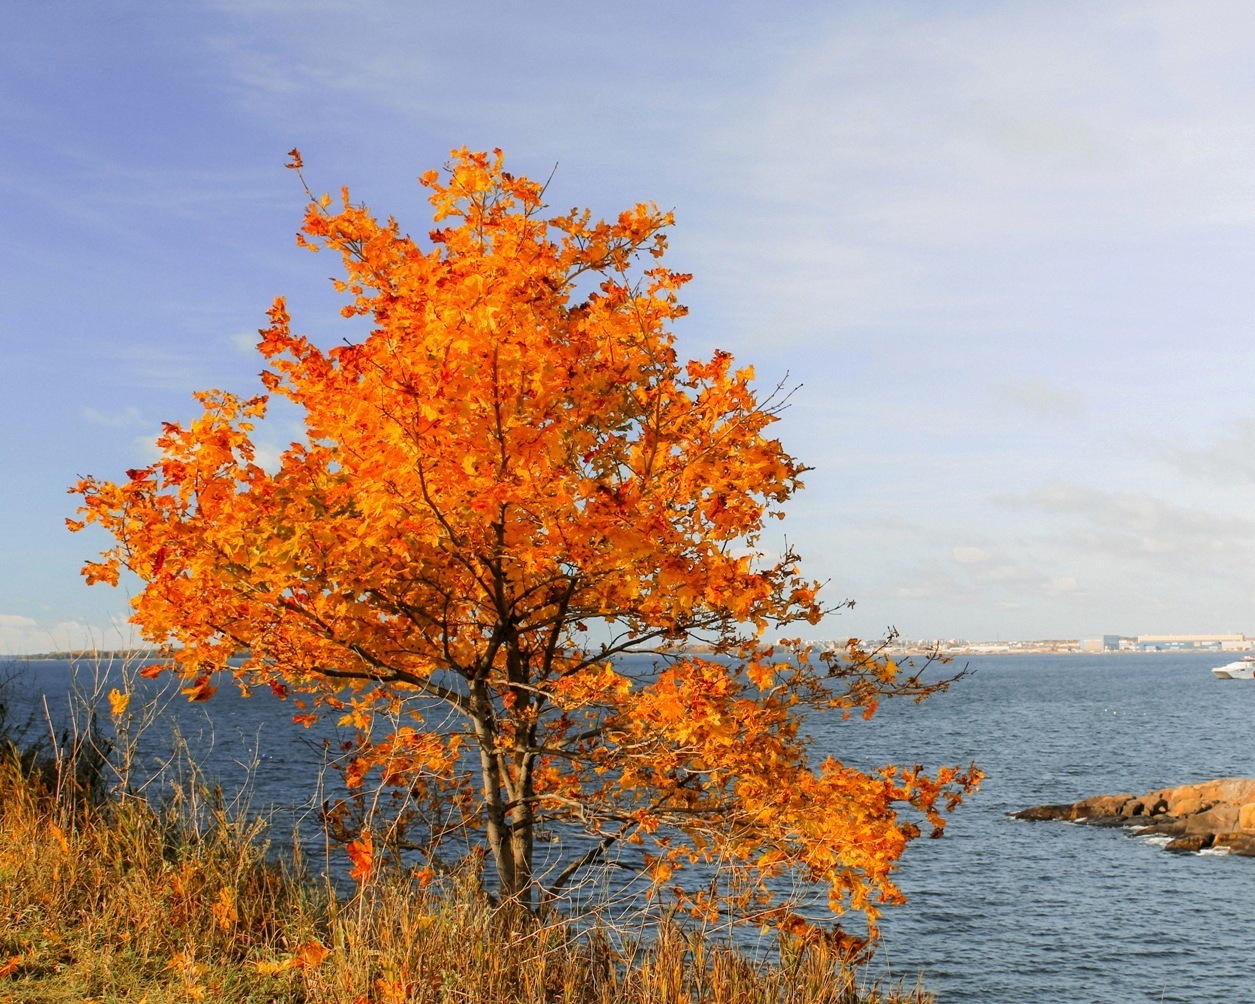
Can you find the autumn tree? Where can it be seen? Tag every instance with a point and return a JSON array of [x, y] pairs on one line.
[[506, 489]]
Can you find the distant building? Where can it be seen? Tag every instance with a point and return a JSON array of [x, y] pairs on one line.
[[1103, 643], [1165, 642]]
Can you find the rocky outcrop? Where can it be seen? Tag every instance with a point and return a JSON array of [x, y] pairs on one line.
[[1213, 814]]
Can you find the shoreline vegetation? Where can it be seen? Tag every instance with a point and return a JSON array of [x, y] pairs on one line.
[[108, 895]]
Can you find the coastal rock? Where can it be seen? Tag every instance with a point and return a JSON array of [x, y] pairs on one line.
[[1246, 817], [1241, 844], [1196, 842], [1214, 819], [1044, 812], [1213, 814], [1103, 805], [1182, 800], [1163, 827]]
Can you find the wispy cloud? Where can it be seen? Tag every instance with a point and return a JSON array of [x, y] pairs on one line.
[[1042, 398], [245, 341], [1228, 459], [122, 199], [1061, 585], [1139, 527], [157, 367], [129, 415]]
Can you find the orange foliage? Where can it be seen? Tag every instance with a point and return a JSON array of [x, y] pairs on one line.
[[508, 485], [362, 855], [310, 955]]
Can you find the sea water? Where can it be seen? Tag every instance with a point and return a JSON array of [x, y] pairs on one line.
[[998, 910], [1007, 911]]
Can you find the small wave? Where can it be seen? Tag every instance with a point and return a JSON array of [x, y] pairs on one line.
[[1215, 852], [1157, 839]]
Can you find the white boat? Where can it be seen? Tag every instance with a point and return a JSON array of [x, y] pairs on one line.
[[1243, 669]]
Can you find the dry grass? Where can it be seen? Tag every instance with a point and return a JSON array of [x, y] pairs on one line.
[[114, 898]]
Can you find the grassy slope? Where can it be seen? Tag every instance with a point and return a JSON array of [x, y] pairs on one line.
[[108, 898]]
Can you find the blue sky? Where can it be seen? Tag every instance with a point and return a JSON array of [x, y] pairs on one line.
[[1006, 249]]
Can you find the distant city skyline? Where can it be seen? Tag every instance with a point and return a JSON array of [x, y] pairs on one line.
[[1004, 252]]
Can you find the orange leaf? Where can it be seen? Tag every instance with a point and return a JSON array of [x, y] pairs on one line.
[[200, 690], [361, 853], [312, 954]]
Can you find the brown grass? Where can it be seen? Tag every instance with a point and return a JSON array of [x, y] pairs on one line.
[[115, 898]]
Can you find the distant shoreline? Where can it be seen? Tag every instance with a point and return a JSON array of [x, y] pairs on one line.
[[892, 651], [1028, 649], [71, 655]]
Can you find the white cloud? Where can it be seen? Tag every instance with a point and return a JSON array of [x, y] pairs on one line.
[[150, 366], [1006, 573], [245, 341], [1062, 585], [145, 448], [21, 635], [1040, 397], [1227, 459], [902, 167], [116, 419], [1004, 111], [970, 555], [1142, 529], [268, 455]]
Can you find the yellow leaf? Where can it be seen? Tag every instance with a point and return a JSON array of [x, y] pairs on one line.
[[118, 702]]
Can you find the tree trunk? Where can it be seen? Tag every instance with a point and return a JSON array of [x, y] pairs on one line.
[[522, 839], [498, 829]]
